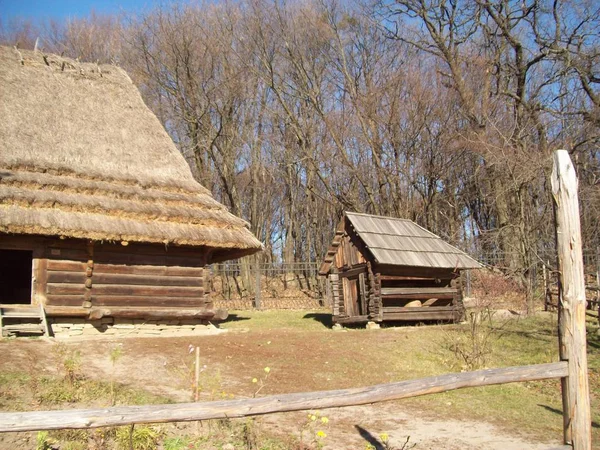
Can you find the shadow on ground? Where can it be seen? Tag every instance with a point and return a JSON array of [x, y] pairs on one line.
[[559, 412], [235, 318], [367, 436], [323, 318]]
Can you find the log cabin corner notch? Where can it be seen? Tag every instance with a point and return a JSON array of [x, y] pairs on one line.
[[387, 269], [100, 215]]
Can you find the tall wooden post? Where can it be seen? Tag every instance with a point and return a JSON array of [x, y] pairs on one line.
[[257, 287], [197, 375], [572, 337], [545, 273], [598, 285]]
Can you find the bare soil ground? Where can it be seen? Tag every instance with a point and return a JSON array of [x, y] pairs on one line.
[[306, 358]]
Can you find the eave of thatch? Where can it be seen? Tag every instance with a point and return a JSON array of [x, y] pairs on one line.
[[82, 156]]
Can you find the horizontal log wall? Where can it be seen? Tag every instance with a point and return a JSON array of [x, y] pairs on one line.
[[74, 273], [418, 294], [124, 415], [65, 281]]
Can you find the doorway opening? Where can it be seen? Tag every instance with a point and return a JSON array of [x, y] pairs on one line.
[[15, 276]]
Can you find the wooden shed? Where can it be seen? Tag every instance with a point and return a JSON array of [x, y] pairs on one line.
[[100, 215], [387, 269]]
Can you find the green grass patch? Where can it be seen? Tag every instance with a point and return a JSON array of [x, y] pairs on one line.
[[316, 320], [20, 391]]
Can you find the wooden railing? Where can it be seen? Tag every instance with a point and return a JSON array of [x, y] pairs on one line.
[[572, 369], [126, 415]]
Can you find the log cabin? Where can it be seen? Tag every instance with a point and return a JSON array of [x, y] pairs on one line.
[[382, 269], [100, 216]]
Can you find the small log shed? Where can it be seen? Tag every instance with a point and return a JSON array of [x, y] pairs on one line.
[[100, 215], [381, 269]]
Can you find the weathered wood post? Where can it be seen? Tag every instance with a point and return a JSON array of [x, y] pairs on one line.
[[545, 273], [197, 375], [598, 285], [571, 322], [257, 287]]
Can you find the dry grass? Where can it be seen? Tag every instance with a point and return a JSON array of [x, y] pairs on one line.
[[72, 117], [304, 354]]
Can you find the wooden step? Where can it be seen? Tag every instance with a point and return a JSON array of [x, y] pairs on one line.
[[24, 327], [21, 314], [34, 314]]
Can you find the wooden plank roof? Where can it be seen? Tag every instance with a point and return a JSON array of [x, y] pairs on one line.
[[401, 242]]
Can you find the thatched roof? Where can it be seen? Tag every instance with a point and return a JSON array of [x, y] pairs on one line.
[[399, 242], [82, 156]]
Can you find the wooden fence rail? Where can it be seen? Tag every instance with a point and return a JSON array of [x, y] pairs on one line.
[[127, 415]]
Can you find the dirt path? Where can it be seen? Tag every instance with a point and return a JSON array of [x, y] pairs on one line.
[[355, 427], [298, 362]]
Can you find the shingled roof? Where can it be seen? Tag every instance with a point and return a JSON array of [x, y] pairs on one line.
[[399, 242], [82, 156]]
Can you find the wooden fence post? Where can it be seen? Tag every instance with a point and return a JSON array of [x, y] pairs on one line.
[[257, 287], [197, 375], [598, 285], [545, 273], [571, 322], [468, 283]]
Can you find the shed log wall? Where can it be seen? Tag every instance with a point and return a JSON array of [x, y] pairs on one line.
[[369, 291]]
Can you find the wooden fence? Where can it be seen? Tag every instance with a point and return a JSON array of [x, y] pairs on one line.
[[592, 293], [571, 369], [123, 415]]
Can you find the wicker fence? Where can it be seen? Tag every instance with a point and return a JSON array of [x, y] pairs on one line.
[[235, 284], [243, 285]]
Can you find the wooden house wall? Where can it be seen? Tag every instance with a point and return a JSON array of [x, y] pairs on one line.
[[72, 273], [390, 293], [415, 293], [348, 254], [350, 278]]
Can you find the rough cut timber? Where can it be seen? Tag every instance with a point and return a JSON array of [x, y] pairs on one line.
[[389, 269], [97, 206]]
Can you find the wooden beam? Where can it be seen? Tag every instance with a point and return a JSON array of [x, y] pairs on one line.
[[353, 272], [424, 272], [137, 313], [227, 409], [419, 314], [351, 319], [148, 270], [67, 266], [149, 280], [427, 291], [405, 309], [40, 274], [136, 290], [419, 296], [410, 278], [162, 313], [572, 335], [130, 301]]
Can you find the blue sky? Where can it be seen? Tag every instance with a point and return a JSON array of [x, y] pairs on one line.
[[62, 9]]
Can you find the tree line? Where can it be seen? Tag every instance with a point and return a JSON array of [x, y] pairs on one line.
[[444, 112]]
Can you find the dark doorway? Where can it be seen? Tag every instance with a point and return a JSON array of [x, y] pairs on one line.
[[15, 276]]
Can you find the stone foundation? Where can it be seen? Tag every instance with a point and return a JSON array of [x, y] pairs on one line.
[[68, 327]]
